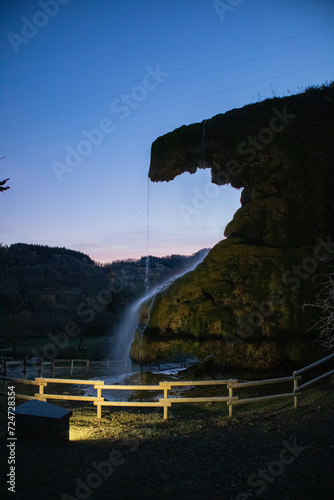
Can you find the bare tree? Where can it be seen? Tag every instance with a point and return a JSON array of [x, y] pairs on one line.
[[325, 303]]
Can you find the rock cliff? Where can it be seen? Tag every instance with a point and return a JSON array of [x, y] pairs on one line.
[[243, 303]]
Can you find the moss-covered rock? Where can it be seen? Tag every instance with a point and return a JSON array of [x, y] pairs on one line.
[[243, 303]]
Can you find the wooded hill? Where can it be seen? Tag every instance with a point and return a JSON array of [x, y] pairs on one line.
[[43, 288]]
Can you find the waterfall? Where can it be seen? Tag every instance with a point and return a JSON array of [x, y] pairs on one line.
[[129, 324], [203, 132], [124, 336], [203, 145], [147, 263]]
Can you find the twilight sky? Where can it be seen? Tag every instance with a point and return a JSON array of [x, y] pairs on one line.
[[87, 86]]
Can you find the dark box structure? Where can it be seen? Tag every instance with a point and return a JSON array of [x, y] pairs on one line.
[[41, 420]]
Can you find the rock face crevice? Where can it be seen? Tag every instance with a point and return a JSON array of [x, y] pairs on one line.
[[243, 303]]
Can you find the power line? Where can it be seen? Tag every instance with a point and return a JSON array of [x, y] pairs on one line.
[[171, 71], [230, 89], [171, 105], [254, 48], [171, 81]]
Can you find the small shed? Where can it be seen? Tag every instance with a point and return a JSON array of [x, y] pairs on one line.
[[41, 420]]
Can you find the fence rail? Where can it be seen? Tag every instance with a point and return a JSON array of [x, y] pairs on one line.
[[41, 366], [165, 402], [310, 367]]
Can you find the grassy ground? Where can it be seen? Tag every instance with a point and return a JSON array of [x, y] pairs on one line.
[[267, 450], [93, 348]]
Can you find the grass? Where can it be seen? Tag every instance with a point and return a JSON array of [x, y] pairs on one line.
[[198, 453], [93, 348]]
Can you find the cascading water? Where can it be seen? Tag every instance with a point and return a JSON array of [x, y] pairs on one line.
[[125, 333], [147, 263], [203, 145], [127, 328]]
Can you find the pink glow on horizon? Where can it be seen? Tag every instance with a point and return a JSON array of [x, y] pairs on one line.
[[104, 257]]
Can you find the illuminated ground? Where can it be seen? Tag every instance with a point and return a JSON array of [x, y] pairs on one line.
[[199, 453]]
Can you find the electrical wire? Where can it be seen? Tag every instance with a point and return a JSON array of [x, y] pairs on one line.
[[171, 81], [171, 71], [172, 105]]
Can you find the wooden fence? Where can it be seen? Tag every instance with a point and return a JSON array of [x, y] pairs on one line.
[[41, 366], [310, 367], [165, 402]]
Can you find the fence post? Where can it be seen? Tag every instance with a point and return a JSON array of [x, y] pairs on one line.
[[53, 368], [24, 369], [165, 407], [40, 371], [87, 365], [41, 389], [108, 365], [230, 406], [99, 407], [295, 387], [71, 369]]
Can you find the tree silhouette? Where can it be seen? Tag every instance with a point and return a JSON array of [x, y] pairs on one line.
[[2, 183]]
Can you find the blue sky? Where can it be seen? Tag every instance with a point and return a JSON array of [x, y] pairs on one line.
[[87, 86]]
